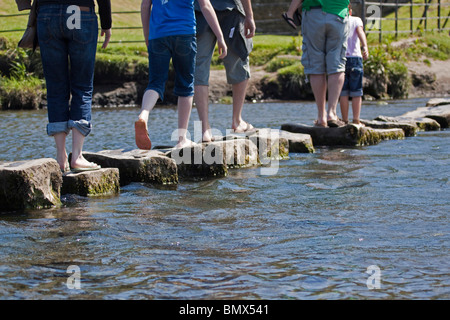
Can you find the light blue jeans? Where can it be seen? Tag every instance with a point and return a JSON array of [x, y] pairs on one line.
[[68, 58]]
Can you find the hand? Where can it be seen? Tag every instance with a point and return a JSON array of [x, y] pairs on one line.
[[365, 53], [222, 48], [249, 27], [107, 33]]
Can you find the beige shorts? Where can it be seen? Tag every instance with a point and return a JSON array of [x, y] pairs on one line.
[[324, 42]]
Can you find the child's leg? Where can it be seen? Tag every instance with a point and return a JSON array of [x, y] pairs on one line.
[[344, 102], [183, 60], [356, 107], [184, 113], [148, 102]]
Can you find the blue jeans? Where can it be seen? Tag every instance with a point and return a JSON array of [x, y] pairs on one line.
[[182, 49], [68, 58], [354, 72]]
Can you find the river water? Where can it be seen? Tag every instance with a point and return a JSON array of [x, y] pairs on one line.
[[315, 230]]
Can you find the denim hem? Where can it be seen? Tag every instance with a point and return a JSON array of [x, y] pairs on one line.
[[57, 127], [83, 126]]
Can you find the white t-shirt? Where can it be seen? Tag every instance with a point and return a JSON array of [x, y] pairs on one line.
[[353, 44]]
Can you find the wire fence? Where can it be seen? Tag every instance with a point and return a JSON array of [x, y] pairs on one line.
[[268, 18], [378, 24]]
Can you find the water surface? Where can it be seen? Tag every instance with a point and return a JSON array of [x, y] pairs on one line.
[[308, 232]]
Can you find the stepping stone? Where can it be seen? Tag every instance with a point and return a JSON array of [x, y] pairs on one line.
[[298, 142], [349, 135], [33, 184], [409, 127], [92, 183], [437, 102], [137, 165], [439, 113], [213, 159], [423, 124]]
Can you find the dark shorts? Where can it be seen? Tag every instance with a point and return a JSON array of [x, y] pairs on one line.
[[182, 50], [353, 85]]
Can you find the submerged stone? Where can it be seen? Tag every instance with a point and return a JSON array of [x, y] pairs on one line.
[[33, 184]]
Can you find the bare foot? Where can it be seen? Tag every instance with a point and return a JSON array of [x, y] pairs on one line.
[[207, 136], [63, 162], [185, 143], [141, 135], [82, 164], [243, 127], [358, 122]]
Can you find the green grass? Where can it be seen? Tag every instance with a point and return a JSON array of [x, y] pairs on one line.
[[418, 25]]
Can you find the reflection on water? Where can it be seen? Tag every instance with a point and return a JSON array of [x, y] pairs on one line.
[[308, 232]]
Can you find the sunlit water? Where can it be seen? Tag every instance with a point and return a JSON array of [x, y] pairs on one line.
[[309, 232]]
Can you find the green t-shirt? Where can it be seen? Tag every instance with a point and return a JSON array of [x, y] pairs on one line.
[[337, 7]]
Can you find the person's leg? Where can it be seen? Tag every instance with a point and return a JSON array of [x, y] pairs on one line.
[[148, 103], [356, 108], [77, 160], [344, 103], [335, 48], [313, 59], [319, 88], [356, 89], [238, 124], [158, 68], [335, 83], [61, 153], [184, 113], [206, 42], [238, 75], [201, 99], [82, 51], [183, 60], [55, 63]]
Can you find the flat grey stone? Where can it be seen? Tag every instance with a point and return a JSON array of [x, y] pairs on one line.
[[33, 184]]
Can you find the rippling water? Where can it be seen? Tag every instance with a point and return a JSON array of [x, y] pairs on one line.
[[309, 232]]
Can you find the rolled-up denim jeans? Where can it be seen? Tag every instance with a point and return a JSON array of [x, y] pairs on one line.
[[68, 46]]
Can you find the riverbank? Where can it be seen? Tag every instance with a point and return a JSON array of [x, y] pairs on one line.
[[411, 67]]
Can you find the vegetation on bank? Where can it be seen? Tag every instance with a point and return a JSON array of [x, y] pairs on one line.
[[22, 85]]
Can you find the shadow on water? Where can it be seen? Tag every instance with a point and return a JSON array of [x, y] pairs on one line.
[[308, 232]]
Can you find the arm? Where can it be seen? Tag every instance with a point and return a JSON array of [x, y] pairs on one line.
[[104, 8], [146, 10], [363, 39], [249, 23], [211, 18], [295, 4]]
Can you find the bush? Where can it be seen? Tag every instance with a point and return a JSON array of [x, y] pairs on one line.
[[279, 62], [23, 93], [399, 81]]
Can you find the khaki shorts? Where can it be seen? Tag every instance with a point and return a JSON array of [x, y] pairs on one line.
[[324, 42], [237, 70]]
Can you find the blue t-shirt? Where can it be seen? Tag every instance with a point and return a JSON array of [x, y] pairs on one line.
[[172, 18]]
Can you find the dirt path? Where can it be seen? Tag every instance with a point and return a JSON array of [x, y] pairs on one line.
[[429, 80]]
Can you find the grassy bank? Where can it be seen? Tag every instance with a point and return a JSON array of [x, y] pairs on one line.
[[385, 72]]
